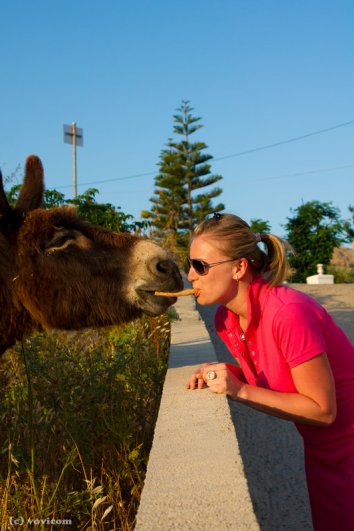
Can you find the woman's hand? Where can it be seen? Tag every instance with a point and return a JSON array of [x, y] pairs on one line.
[[196, 381], [228, 378], [313, 403]]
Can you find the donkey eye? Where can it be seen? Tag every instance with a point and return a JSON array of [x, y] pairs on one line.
[[62, 238]]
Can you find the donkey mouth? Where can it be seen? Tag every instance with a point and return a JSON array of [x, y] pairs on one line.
[[160, 299], [151, 304], [149, 294]]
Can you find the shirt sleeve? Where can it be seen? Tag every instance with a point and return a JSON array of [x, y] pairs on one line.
[[298, 329]]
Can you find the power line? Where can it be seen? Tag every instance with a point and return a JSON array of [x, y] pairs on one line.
[[301, 174], [281, 142], [111, 180], [256, 179], [238, 154]]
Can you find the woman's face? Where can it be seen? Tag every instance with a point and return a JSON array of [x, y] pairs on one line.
[[218, 286]]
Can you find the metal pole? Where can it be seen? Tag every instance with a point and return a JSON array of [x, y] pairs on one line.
[[73, 131]]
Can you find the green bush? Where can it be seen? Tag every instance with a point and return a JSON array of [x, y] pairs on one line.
[[77, 417], [342, 275]]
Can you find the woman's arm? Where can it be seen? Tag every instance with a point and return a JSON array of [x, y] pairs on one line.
[[314, 403]]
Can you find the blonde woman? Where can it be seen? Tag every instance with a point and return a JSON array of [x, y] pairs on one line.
[[294, 362]]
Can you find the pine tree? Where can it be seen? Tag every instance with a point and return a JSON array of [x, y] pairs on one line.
[[184, 170], [169, 198]]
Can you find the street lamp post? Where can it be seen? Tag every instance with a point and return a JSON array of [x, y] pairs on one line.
[[74, 135]]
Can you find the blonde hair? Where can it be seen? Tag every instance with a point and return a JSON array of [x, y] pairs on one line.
[[234, 237]]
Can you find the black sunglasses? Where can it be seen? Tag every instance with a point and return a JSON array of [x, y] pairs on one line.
[[202, 268]]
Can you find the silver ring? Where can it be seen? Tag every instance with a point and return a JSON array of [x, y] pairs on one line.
[[211, 375]]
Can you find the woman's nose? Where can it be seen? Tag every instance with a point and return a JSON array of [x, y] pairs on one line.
[[191, 274]]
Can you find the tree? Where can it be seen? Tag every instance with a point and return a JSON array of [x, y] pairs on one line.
[[313, 232], [349, 225], [168, 200], [259, 225], [184, 170], [102, 214], [53, 198]]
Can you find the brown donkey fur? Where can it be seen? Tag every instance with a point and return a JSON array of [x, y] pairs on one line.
[[56, 271]]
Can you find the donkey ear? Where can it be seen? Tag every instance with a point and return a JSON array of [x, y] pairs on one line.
[[31, 193], [4, 204]]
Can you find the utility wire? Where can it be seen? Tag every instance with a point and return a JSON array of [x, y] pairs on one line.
[[301, 174], [294, 139], [110, 180], [238, 154], [273, 177]]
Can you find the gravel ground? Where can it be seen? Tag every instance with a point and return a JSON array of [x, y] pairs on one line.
[[271, 448]]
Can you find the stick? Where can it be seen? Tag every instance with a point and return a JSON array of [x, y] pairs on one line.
[[183, 293]]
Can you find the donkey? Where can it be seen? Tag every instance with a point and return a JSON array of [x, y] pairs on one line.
[[57, 271]]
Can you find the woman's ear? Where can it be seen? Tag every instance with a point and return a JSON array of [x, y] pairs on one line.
[[240, 269]]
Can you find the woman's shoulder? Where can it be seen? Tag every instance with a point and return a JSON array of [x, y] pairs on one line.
[[284, 303], [286, 294], [288, 305]]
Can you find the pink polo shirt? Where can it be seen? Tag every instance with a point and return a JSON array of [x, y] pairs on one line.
[[285, 328]]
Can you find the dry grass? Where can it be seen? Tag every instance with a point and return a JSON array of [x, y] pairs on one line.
[[76, 424]]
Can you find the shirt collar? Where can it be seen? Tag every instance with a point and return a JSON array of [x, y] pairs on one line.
[[258, 293]]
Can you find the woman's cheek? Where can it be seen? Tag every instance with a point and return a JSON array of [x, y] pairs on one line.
[[207, 297], [201, 298]]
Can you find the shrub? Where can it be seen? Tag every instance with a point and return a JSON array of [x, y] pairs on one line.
[[342, 275], [77, 416]]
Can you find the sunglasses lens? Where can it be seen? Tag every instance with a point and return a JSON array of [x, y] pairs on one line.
[[199, 267]]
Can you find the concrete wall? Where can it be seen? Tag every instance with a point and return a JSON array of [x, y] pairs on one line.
[[195, 478], [216, 464]]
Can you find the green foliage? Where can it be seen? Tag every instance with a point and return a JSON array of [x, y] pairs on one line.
[[77, 417], [12, 194], [53, 198], [313, 232], [342, 275], [184, 170], [102, 214], [349, 225], [259, 225]]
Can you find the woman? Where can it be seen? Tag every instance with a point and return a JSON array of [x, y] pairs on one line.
[[294, 361]]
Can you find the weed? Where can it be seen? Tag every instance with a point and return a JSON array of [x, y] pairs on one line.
[[77, 417], [342, 275]]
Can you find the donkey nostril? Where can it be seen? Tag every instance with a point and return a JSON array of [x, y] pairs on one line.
[[165, 266]]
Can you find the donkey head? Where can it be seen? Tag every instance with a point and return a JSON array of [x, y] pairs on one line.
[[57, 271]]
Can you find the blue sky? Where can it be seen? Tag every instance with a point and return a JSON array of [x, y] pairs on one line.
[[258, 73]]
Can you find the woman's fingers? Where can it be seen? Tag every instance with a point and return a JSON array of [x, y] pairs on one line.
[[196, 380], [213, 372], [209, 374], [219, 377]]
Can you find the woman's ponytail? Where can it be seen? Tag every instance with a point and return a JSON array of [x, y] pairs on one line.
[[276, 267]]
